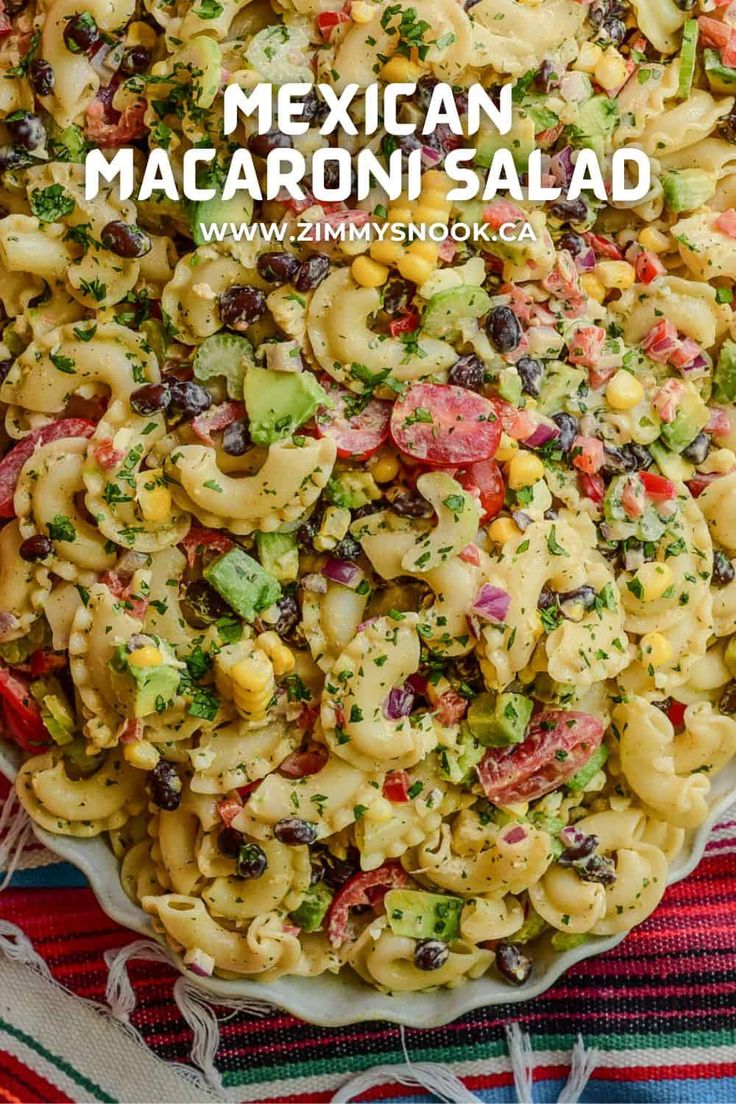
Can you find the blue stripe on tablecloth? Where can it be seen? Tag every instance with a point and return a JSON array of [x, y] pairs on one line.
[[56, 875], [707, 1090]]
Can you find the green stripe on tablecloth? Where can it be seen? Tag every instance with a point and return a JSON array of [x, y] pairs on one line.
[[55, 1060]]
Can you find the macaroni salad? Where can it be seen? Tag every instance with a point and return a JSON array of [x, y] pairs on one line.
[[376, 599]]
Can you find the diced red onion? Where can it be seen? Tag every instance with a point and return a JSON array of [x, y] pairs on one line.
[[543, 432], [522, 519], [199, 962], [696, 368], [8, 624], [431, 156], [585, 261], [574, 87], [560, 166], [315, 584], [492, 603], [516, 835], [399, 703], [131, 562], [344, 572], [571, 836]]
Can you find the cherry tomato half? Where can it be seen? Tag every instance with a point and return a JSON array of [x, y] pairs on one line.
[[657, 487], [486, 479], [357, 428], [11, 464], [21, 714], [445, 425], [360, 890]]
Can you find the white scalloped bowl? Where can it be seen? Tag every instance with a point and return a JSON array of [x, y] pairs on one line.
[[334, 1001]]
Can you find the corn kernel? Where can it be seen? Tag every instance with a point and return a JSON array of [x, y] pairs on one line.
[[524, 470], [401, 70], [416, 269], [654, 240], [624, 391], [367, 272], [385, 467], [436, 180], [399, 214], [146, 656], [142, 754], [379, 811], [426, 215], [503, 529], [656, 649], [335, 523], [282, 658], [435, 197], [361, 12], [610, 72], [722, 461], [387, 252], [253, 674], [427, 250], [593, 287], [654, 579], [517, 810], [588, 57], [154, 498], [615, 274], [507, 448]]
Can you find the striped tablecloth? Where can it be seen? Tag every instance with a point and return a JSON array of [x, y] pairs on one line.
[[661, 1008]]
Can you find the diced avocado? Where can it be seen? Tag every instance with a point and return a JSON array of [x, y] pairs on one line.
[[243, 583], [279, 402], [535, 105], [446, 310], [497, 721], [565, 941], [729, 656], [83, 763], [313, 909], [580, 780], [531, 929], [279, 555], [57, 717], [649, 526], [227, 355], [686, 189], [421, 915], [457, 763], [597, 120], [561, 383], [671, 464], [724, 374], [688, 58], [353, 489], [67, 144], [720, 77], [202, 58], [520, 140], [236, 210], [509, 386], [691, 416], [15, 652], [144, 689]]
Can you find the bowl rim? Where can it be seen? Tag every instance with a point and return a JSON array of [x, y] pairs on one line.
[[314, 1000]]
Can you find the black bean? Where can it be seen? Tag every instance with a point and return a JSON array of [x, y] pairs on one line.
[[15, 7], [580, 850], [568, 427], [408, 503], [723, 571], [262, 144], [236, 439], [125, 240], [698, 449], [150, 398], [513, 964], [251, 861], [41, 76], [727, 703], [468, 4], [315, 109], [636, 457], [530, 372], [165, 786], [289, 615], [369, 508], [36, 548], [430, 954], [7, 364], [503, 329], [202, 605], [278, 268], [312, 272], [396, 296], [295, 832], [334, 872], [615, 31], [13, 157], [135, 60], [728, 126], [547, 598], [241, 305], [584, 596], [80, 33], [597, 868], [467, 372], [346, 549], [569, 210], [547, 76], [686, 5], [188, 399], [230, 840], [26, 129], [308, 530], [572, 242]]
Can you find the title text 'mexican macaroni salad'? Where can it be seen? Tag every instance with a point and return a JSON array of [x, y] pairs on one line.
[[375, 598]]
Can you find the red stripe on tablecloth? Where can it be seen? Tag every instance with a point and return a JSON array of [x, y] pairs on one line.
[[16, 1076], [668, 1073]]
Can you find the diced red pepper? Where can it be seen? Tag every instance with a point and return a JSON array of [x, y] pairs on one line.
[[676, 713], [132, 731], [21, 714], [719, 423], [667, 398], [408, 322], [686, 352], [216, 418], [485, 480], [120, 588], [43, 662], [586, 346], [450, 707], [329, 20], [632, 499], [587, 454], [657, 487], [604, 247], [470, 554], [358, 891], [396, 786], [199, 538], [245, 791], [648, 266], [713, 32], [106, 455], [701, 480], [228, 809], [501, 211], [104, 130], [592, 487], [13, 461], [661, 341]]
